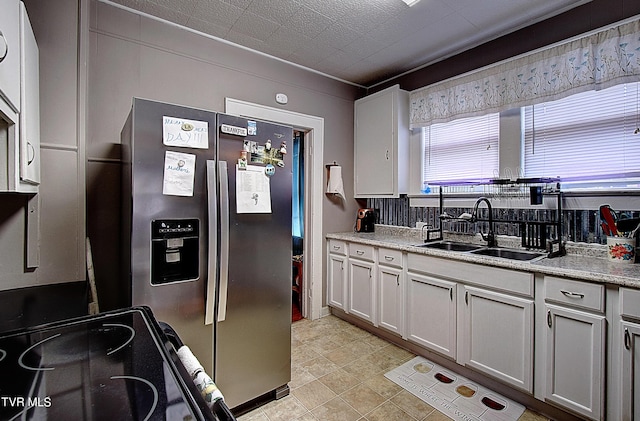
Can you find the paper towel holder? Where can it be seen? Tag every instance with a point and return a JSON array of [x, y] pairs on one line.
[[333, 164]]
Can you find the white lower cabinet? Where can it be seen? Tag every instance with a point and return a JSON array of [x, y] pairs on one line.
[[630, 379], [497, 333], [362, 289], [337, 281], [629, 351], [431, 313], [337, 274], [575, 346], [391, 298]]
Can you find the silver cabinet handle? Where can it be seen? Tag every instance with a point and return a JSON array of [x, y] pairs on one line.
[[336, 247], [466, 297], [4, 47], [572, 294], [549, 318], [398, 280], [627, 339], [359, 252], [451, 294], [388, 258]]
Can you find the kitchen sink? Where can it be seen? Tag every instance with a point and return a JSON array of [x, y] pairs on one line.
[[508, 254], [451, 246]]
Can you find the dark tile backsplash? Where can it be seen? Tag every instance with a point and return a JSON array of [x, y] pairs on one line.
[[578, 225]]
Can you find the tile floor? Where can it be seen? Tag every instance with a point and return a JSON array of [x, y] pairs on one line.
[[337, 373]]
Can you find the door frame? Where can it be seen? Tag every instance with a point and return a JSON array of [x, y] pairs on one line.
[[313, 127]]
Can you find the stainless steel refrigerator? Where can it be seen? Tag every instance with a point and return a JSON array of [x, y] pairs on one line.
[[207, 239]]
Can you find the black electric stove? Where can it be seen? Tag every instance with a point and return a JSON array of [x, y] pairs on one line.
[[112, 366]]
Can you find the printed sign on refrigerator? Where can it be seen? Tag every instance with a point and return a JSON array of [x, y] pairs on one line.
[[179, 171], [253, 190], [185, 133]]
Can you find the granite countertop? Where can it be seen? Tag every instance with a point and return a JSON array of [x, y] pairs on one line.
[[583, 262]]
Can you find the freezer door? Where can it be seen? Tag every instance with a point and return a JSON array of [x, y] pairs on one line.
[[253, 332], [181, 303]]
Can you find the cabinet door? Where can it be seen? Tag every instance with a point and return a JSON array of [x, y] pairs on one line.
[[630, 371], [10, 50], [390, 308], [375, 121], [29, 104], [497, 336], [431, 313], [575, 360], [337, 282], [361, 289]]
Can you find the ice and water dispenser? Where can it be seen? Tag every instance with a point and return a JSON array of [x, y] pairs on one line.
[[175, 250]]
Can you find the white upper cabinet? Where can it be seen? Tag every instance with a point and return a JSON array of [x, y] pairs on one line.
[[19, 101], [10, 52], [381, 145]]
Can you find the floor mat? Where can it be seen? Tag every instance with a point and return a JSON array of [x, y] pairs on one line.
[[452, 394]]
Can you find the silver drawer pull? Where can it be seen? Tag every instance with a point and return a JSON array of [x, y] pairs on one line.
[[359, 252], [388, 258], [336, 247], [572, 294]]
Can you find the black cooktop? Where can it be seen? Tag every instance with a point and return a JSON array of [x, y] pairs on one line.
[[112, 366]]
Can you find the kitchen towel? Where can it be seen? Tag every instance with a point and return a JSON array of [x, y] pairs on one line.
[[334, 182]]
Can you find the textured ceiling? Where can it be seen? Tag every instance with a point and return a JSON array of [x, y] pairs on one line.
[[358, 41]]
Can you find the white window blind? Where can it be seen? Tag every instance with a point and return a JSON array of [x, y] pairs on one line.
[[461, 150], [587, 136]]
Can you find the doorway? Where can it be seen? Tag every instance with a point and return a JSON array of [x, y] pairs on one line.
[[297, 226]]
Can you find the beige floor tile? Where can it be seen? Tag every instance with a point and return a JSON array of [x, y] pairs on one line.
[[340, 381], [389, 412], [342, 356], [363, 367], [385, 387], [336, 410], [319, 367], [412, 405], [313, 394], [363, 398], [303, 353], [285, 409], [299, 376]]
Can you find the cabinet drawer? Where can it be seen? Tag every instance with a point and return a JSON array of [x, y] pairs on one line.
[[575, 293], [630, 303], [338, 247], [389, 257], [361, 251]]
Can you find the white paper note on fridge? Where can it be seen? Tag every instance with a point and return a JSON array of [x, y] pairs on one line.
[[253, 190], [179, 171]]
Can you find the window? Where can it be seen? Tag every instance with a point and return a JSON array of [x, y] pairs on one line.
[[587, 136], [461, 150]]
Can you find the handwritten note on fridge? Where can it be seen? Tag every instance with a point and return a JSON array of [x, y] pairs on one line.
[[179, 171], [185, 133], [253, 190]]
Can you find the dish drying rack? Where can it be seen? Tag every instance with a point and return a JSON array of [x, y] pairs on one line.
[[533, 233]]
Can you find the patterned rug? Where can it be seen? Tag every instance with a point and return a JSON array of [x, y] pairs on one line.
[[452, 394]]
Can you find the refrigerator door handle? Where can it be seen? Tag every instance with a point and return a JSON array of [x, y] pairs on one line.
[[223, 179], [212, 202]]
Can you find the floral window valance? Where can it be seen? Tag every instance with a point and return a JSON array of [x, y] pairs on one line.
[[595, 61]]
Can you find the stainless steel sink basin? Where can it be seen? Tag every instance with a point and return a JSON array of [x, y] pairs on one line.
[[451, 246], [508, 254]]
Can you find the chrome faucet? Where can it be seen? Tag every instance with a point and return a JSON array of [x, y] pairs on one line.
[[489, 237]]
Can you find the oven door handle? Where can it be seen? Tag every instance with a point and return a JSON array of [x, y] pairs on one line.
[[223, 179]]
